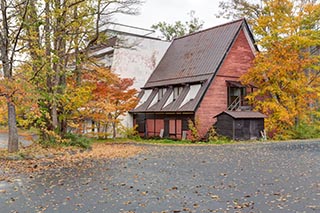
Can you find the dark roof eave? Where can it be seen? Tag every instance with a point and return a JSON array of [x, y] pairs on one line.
[[163, 112], [243, 114]]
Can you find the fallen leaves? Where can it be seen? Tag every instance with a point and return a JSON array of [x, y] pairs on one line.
[[64, 158], [171, 179]]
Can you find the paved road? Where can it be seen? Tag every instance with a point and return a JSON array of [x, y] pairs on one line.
[[277, 177], [4, 141]]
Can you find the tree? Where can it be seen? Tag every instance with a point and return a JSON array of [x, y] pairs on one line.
[[59, 35], [12, 23], [252, 10], [123, 98], [49, 35], [285, 70], [102, 99], [237, 9], [178, 29]]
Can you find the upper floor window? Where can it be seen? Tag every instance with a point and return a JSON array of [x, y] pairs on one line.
[[176, 92], [161, 93]]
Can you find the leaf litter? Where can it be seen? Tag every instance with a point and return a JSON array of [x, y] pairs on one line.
[[40, 159]]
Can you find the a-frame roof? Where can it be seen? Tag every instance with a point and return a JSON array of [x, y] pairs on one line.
[[191, 60], [196, 57]]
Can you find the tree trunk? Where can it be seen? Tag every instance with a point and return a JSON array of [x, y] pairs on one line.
[[54, 116], [13, 143], [114, 130], [8, 49], [53, 123]]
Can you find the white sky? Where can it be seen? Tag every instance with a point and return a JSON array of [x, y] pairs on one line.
[[154, 11]]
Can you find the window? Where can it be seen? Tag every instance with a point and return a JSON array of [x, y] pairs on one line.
[[176, 92], [161, 93], [236, 96]]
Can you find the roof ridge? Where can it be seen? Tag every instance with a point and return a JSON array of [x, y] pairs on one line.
[[211, 28]]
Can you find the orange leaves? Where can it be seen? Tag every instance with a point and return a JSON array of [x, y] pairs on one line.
[[123, 97], [286, 71], [283, 85], [102, 97]]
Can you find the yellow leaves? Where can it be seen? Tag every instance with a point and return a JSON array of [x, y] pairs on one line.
[[8, 87], [76, 97], [3, 112], [282, 19], [53, 135], [288, 79]]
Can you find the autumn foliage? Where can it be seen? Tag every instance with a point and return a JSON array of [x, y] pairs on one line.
[[286, 71], [96, 105]]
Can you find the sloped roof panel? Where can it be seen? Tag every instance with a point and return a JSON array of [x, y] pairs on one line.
[[244, 114], [195, 56]]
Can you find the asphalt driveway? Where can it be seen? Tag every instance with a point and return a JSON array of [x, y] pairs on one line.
[[4, 141], [271, 177]]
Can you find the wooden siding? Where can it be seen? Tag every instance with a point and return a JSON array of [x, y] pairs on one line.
[[172, 127], [237, 62], [159, 125], [225, 126], [150, 125], [239, 128]]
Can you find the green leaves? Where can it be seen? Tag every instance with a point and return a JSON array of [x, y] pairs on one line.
[[178, 29]]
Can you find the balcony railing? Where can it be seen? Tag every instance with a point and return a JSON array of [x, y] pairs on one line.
[[235, 104], [239, 104]]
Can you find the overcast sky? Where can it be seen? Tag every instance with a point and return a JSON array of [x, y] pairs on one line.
[[154, 11]]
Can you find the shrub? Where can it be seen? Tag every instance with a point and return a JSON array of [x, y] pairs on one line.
[[306, 131], [78, 141], [212, 134], [52, 139], [193, 126], [130, 132]]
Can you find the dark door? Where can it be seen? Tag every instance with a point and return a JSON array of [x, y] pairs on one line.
[[166, 128]]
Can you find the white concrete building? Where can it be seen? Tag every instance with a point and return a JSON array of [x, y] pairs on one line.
[[131, 56]]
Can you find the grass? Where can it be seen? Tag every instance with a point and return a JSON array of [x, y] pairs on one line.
[[165, 141]]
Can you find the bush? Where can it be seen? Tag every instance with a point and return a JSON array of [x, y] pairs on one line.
[[52, 140], [78, 141], [306, 131], [130, 133], [212, 134], [194, 129]]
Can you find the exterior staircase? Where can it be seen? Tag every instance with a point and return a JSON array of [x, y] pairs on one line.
[[237, 106]]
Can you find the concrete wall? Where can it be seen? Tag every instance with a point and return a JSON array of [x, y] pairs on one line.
[[237, 62], [135, 57]]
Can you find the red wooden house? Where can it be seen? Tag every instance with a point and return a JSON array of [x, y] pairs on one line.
[[197, 78]]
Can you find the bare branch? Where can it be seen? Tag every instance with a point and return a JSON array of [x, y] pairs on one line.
[[19, 31]]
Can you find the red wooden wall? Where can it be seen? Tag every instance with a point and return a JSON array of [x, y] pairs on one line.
[[237, 62]]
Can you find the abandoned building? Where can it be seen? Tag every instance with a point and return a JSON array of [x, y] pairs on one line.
[[197, 79], [129, 52]]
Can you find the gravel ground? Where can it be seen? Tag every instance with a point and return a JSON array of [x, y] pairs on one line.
[[270, 177]]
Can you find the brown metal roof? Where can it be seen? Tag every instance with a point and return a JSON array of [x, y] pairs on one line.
[[195, 57], [191, 59], [244, 114], [174, 106]]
